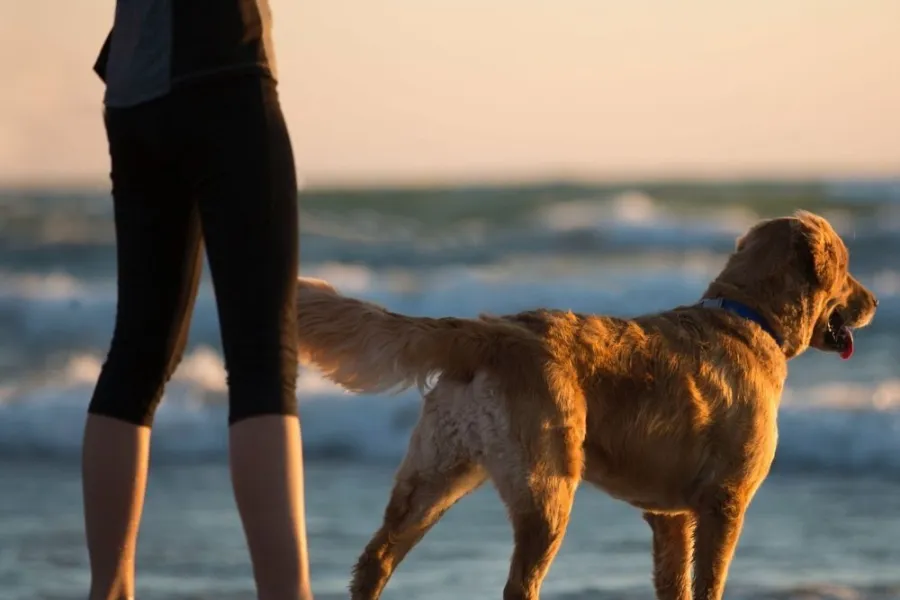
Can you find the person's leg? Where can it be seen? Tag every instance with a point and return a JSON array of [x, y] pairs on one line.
[[158, 246], [247, 192]]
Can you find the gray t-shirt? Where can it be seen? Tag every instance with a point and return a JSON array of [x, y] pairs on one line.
[[157, 45]]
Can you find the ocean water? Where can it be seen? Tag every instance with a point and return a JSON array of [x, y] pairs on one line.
[[824, 525]]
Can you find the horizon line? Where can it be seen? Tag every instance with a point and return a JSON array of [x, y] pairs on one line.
[[535, 179]]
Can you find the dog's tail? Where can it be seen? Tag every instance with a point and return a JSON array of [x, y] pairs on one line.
[[365, 348]]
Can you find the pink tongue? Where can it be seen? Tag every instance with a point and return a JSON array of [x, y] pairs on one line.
[[848, 351]]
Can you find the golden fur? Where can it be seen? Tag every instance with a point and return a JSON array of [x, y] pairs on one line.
[[674, 413]]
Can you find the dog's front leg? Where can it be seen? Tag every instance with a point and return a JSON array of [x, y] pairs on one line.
[[673, 547], [720, 518]]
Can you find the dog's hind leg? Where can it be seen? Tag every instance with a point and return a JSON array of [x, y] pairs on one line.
[[428, 483], [539, 494], [673, 547]]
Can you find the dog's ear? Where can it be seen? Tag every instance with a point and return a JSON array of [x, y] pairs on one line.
[[802, 246], [819, 248]]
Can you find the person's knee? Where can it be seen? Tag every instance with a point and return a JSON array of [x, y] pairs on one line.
[[132, 382], [261, 383]]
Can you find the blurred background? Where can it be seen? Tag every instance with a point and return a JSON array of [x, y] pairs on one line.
[[460, 157]]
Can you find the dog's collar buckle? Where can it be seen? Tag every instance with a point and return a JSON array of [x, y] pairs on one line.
[[741, 310]]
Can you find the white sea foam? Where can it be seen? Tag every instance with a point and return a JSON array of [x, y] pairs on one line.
[[841, 428], [637, 211], [627, 255]]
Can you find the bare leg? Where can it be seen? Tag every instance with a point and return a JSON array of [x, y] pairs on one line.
[[115, 457], [426, 487], [719, 525], [673, 547], [266, 458]]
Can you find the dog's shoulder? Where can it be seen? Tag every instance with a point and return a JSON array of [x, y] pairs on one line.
[[700, 342]]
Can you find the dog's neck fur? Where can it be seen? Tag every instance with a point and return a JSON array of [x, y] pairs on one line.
[[791, 319]]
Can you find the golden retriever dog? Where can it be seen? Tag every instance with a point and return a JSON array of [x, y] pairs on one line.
[[674, 413]]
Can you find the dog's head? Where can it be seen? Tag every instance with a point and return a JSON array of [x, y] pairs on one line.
[[795, 272]]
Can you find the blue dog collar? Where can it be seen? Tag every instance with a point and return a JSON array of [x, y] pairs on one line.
[[742, 310]]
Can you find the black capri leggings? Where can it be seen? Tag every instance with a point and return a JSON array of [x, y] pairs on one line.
[[211, 162]]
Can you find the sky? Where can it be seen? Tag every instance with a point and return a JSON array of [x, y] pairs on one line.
[[390, 91]]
